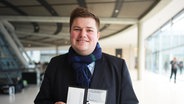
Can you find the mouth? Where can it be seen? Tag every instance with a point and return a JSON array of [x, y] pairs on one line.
[[82, 41]]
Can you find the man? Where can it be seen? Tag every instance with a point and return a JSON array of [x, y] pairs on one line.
[[174, 66], [85, 66]]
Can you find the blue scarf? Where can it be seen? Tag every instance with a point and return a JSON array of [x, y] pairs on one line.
[[79, 64]]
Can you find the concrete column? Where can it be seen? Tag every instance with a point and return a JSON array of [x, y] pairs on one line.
[[140, 50], [131, 58], [57, 50]]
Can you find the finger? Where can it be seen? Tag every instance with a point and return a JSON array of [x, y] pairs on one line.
[[59, 102]]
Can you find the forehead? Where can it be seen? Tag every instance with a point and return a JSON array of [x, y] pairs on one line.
[[89, 22]]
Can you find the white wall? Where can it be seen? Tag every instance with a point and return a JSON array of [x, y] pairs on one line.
[[129, 54]]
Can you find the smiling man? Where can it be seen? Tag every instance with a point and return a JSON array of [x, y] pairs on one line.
[[84, 35], [86, 66]]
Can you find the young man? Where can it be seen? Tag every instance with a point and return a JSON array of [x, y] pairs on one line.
[[85, 66]]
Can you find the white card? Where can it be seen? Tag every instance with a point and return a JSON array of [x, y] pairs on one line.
[[95, 96], [75, 95]]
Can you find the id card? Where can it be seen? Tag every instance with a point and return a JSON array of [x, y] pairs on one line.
[[75, 95], [86, 96], [95, 96]]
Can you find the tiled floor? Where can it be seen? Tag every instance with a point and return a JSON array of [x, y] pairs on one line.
[[25, 97], [158, 89], [152, 89]]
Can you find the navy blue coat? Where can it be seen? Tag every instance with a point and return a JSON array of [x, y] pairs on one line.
[[110, 74]]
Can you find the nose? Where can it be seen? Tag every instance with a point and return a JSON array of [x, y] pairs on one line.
[[83, 32]]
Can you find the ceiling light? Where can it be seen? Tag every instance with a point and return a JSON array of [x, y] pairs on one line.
[[116, 11]]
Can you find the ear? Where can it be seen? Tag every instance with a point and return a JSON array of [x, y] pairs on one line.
[[98, 35]]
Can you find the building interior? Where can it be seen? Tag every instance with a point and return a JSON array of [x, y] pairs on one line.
[[148, 34]]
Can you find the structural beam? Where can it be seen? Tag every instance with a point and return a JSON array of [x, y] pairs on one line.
[[59, 36], [37, 43], [56, 19]]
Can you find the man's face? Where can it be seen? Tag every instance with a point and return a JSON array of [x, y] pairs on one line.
[[84, 35]]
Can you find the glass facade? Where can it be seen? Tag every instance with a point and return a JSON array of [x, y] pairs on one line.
[[165, 44]]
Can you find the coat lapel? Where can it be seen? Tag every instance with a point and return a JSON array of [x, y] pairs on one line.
[[99, 80]]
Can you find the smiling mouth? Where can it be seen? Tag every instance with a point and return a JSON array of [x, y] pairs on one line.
[[82, 40]]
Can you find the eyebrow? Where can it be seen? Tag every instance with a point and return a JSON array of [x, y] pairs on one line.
[[85, 27]]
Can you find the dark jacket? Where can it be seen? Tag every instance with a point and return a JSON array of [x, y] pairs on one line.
[[110, 74]]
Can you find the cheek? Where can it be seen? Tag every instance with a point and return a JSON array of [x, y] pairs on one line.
[[73, 35], [93, 37]]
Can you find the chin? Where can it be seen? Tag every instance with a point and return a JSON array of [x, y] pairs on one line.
[[82, 49]]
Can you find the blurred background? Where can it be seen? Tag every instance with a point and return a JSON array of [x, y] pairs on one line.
[[148, 34]]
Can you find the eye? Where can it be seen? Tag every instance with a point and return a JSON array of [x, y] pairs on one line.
[[77, 29], [89, 30]]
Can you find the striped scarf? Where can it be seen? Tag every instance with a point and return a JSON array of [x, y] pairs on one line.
[[79, 64]]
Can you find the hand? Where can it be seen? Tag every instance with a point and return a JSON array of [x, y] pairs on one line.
[[60, 102]]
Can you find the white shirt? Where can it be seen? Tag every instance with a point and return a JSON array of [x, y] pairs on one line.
[[91, 67]]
